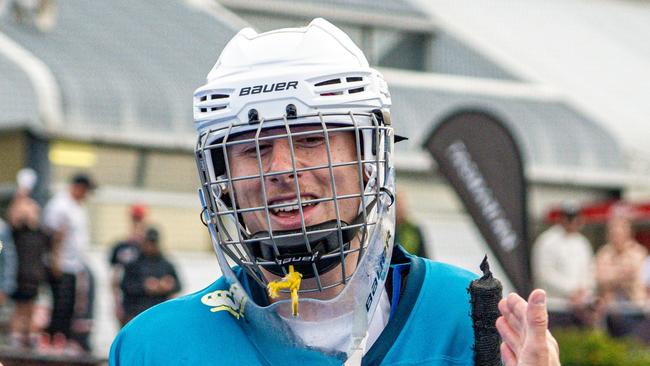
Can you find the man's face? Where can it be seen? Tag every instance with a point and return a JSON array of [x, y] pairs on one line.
[[150, 248], [619, 232], [310, 150], [572, 224], [79, 192]]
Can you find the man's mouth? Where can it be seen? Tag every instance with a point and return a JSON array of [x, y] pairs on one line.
[[291, 206]]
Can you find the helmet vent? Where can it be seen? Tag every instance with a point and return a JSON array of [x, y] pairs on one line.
[[328, 82], [330, 94], [212, 100], [340, 86]]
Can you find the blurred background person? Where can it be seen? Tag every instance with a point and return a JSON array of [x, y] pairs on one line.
[[619, 275], [407, 233], [563, 265], [84, 311], [149, 280], [125, 252], [31, 244], [646, 279], [67, 220], [619, 264], [7, 264], [42, 14]]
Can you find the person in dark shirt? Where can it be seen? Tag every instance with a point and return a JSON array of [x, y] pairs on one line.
[[125, 252], [31, 243], [149, 280]]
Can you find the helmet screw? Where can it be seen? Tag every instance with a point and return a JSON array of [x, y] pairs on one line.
[[253, 116], [292, 112]]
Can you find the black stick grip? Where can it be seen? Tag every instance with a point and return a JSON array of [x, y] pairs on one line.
[[485, 294]]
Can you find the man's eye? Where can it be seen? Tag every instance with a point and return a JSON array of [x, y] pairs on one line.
[[310, 141], [250, 150], [264, 148]]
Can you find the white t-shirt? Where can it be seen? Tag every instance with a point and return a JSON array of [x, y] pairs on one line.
[[563, 263], [66, 215]]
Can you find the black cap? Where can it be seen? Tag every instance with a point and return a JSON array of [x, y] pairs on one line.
[[83, 179], [152, 234]]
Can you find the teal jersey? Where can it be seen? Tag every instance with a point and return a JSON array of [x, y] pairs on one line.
[[429, 324]]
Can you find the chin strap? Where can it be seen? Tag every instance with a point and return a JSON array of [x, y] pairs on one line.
[[291, 282]]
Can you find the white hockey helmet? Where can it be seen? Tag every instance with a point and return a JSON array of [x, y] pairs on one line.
[[296, 82], [287, 86]]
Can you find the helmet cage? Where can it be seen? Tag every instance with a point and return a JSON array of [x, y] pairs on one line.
[[315, 249]]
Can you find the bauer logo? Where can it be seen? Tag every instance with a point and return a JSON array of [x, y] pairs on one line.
[[268, 88]]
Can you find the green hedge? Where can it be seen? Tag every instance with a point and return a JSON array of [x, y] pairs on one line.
[[595, 348]]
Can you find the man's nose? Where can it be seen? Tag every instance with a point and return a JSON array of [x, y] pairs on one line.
[[281, 160]]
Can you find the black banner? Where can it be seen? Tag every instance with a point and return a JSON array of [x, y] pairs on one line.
[[481, 160]]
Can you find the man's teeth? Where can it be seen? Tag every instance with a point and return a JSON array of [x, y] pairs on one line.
[[292, 205]]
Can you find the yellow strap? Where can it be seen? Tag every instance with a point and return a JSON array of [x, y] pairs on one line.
[[291, 282]]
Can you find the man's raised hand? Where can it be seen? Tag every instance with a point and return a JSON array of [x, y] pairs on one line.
[[524, 329]]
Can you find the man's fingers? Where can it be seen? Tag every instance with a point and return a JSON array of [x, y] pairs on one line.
[[509, 335], [516, 312], [503, 307], [537, 317], [508, 357]]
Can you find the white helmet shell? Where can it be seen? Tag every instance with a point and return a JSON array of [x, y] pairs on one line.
[[316, 68]]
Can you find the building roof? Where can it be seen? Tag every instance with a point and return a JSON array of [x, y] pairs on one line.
[[557, 142], [125, 70], [396, 14], [596, 52], [128, 76], [17, 97]]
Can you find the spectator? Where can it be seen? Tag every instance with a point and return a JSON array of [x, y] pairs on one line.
[[82, 316], [646, 277], [67, 220], [149, 280], [124, 253], [563, 262], [31, 244], [407, 232], [7, 263], [619, 265]]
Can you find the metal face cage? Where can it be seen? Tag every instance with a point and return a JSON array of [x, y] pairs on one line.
[[288, 191]]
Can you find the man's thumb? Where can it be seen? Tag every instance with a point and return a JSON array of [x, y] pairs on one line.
[[537, 316]]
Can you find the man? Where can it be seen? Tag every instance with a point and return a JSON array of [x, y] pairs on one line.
[[124, 253], [66, 219], [31, 244], [619, 264], [294, 155], [149, 280], [563, 265], [8, 263]]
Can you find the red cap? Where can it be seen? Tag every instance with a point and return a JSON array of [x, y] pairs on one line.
[[138, 211]]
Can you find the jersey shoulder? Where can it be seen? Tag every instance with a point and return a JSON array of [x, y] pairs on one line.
[[196, 329], [438, 328]]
